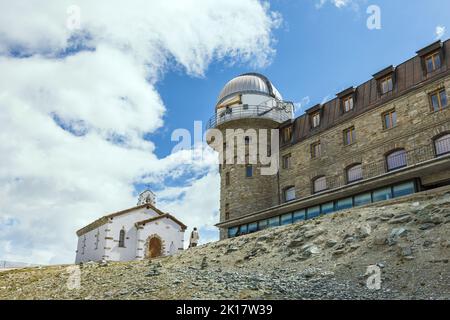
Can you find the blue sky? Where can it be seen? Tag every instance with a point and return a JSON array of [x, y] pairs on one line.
[[319, 52], [87, 113]]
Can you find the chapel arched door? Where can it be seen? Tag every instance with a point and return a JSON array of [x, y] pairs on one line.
[[154, 247]]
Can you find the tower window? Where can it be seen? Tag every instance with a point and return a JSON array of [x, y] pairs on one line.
[[287, 161], [386, 84], [316, 150], [349, 136], [389, 119], [433, 61], [247, 140], [438, 100], [122, 238], [227, 179], [227, 211], [249, 171], [347, 103]]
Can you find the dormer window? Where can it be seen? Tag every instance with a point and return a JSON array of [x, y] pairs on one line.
[[386, 84], [347, 104], [287, 134], [385, 80], [315, 119], [433, 61], [431, 57]]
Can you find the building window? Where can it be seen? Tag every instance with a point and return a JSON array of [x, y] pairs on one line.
[[347, 103], [386, 84], [286, 161], [349, 136], [438, 100], [227, 179], [83, 247], [315, 119], [249, 171], [122, 238], [97, 239], [433, 61], [389, 119], [316, 150], [287, 134], [396, 160], [247, 140], [354, 173], [319, 184], [289, 194], [442, 145], [227, 211]]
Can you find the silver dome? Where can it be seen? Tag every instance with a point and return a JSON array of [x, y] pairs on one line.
[[249, 83]]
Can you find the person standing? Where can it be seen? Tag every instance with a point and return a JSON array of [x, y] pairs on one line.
[[193, 241]]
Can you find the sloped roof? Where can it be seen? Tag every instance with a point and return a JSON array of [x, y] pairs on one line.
[[166, 215], [101, 221]]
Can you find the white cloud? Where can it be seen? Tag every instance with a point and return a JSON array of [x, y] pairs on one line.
[[54, 181], [440, 31], [337, 3]]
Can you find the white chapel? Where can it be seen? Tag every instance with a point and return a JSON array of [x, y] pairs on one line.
[[138, 233]]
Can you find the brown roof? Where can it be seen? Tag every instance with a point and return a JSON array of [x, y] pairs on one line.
[[101, 221], [409, 76], [166, 215]]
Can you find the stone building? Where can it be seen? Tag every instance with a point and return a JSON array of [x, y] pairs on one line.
[[386, 138], [138, 233]]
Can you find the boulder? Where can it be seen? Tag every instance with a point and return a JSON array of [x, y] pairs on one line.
[[395, 234], [364, 231]]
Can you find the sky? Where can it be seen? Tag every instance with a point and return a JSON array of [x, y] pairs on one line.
[[91, 93]]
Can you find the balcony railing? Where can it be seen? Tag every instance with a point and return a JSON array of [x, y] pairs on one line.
[[280, 113], [397, 161]]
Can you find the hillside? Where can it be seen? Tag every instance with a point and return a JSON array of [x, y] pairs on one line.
[[327, 258]]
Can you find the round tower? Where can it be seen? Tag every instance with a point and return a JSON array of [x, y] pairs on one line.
[[248, 108]]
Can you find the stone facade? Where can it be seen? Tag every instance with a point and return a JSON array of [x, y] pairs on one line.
[[246, 200]]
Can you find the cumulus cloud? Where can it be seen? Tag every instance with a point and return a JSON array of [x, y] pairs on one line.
[[76, 104], [336, 3], [439, 32]]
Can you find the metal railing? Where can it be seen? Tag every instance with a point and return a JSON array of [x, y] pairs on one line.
[[397, 161], [280, 113]]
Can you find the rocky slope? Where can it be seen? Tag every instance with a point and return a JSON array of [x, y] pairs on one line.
[[407, 240]]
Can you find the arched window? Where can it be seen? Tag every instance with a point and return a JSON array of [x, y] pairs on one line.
[[442, 145], [319, 184], [122, 239], [354, 173], [396, 160], [289, 194]]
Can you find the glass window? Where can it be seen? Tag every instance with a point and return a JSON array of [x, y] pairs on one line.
[[386, 85], [286, 219], [349, 136], [320, 184], [289, 194], [397, 160], [274, 222], [299, 216], [287, 134], [232, 232], [344, 204], [249, 171], [404, 189], [328, 208], [287, 161], [313, 212], [382, 194], [390, 119], [363, 199], [227, 179], [348, 104], [442, 145], [252, 227], [243, 229], [316, 150], [354, 173], [433, 62], [439, 100], [263, 224], [122, 238], [315, 119]]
